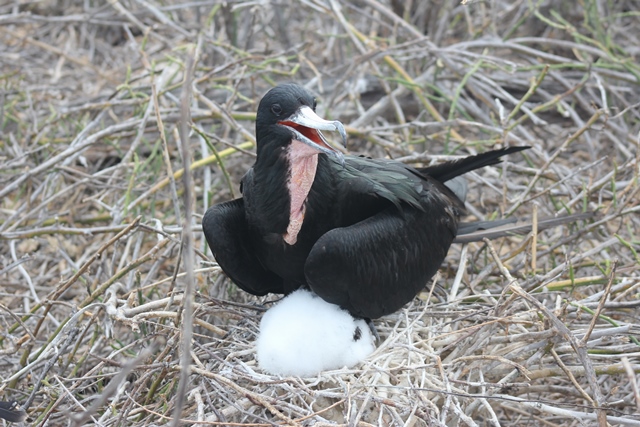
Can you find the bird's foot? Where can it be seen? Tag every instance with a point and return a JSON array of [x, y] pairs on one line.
[[373, 330]]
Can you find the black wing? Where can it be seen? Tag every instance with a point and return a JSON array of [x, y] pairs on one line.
[[376, 265], [229, 236]]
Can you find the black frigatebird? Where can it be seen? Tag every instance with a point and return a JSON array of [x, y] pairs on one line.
[[364, 234]]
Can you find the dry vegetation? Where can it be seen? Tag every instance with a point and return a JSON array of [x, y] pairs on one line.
[[533, 329]]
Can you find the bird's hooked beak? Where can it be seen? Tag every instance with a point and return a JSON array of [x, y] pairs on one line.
[[306, 126]]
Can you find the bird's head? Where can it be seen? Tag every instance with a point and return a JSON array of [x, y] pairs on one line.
[[287, 112]]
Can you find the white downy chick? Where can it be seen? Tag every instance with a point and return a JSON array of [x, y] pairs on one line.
[[303, 335]]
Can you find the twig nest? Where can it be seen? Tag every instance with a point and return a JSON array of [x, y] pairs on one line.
[[303, 335]]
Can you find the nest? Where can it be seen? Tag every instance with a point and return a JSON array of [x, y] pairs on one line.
[[103, 107]]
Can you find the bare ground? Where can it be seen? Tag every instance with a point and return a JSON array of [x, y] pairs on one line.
[[540, 328]]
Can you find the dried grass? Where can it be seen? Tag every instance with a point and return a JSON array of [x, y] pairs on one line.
[[540, 329]]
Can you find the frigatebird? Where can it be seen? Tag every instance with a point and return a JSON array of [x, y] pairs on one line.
[[364, 234], [303, 335]]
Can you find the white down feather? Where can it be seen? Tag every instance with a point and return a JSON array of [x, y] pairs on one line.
[[303, 335]]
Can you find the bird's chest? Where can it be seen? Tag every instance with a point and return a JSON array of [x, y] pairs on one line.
[[294, 227], [288, 206], [288, 260], [302, 168], [290, 202]]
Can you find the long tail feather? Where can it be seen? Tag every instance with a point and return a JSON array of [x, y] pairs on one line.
[[449, 170], [12, 412], [476, 231]]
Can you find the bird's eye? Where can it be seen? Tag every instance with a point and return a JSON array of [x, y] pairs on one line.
[[276, 109]]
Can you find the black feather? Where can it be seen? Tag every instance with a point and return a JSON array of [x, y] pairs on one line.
[[12, 412]]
